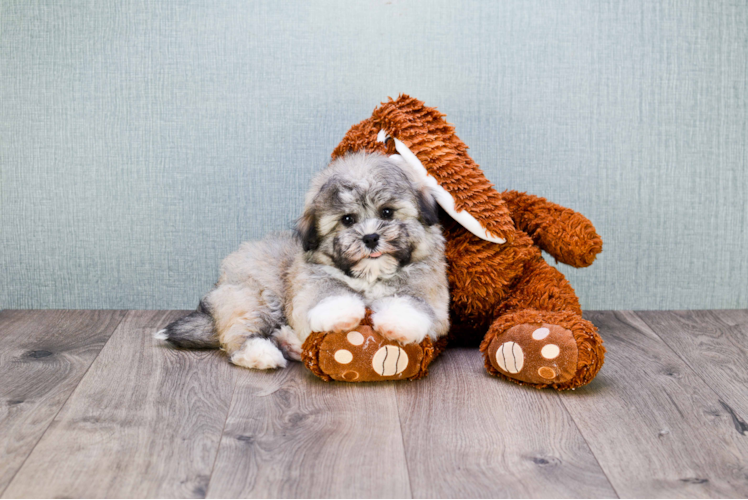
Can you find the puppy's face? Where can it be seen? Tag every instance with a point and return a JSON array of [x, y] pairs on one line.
[[365, 216]]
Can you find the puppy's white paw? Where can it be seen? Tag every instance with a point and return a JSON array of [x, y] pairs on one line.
[[289, 342], [259, 354], [339, 313], [396, 318]]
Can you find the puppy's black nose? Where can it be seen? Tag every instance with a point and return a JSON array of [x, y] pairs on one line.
[[371, 240]]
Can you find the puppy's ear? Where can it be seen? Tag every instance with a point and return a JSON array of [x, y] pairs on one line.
[[427, 206], [307, 228]]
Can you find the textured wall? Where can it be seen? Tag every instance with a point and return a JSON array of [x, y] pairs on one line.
[[142, 141]]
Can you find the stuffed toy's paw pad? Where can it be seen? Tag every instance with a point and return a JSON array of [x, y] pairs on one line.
[[363, 355], [535, 353]]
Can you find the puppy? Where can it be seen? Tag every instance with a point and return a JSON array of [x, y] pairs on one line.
[[368, 237]]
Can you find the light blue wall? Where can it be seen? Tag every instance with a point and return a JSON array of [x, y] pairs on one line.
[[142, 141]]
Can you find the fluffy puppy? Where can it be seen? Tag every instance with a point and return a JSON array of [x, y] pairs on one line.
[[369, 238]]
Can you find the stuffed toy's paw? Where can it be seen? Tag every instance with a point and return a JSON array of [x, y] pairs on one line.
[[363, 355], [565, 354]]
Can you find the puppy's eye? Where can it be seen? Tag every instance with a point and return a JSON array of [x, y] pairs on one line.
[[386, 213], [348, 220]]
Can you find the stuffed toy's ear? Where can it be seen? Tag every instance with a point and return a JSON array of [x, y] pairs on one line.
[[446, 200], [307, 228], [425, 142]]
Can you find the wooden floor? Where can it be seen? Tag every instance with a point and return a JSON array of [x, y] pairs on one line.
[[92, 406]]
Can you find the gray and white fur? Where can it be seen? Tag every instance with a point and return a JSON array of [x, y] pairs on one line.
[[368, 237]]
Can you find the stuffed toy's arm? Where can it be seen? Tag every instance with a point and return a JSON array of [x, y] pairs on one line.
[[565, 234]]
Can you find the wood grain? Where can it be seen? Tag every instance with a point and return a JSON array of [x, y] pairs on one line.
[[655, 427], [43, 356], [468, 434], [665, 418], [715, 345], [145, 421], [291, 435]]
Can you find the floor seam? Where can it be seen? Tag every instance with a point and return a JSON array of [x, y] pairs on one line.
[[584, 438], [41, 436], [220, 438], [402, 440]]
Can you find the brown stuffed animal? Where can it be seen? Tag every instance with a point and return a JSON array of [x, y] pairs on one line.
[[503, 294]]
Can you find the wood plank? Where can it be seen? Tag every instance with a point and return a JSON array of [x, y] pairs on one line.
[[468, 434], [291, 435], [145, 421], [715, 345], [43, 356], [655, 427]]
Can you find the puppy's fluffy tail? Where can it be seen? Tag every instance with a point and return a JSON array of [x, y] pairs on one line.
[[194, 331]]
